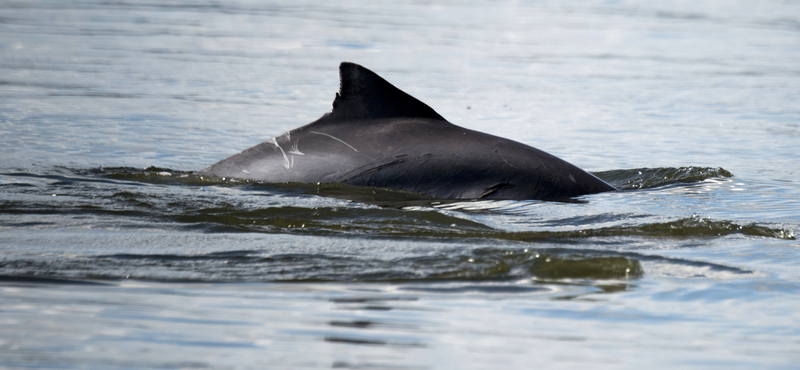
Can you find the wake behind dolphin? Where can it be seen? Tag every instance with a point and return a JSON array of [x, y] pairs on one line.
[[379, 136]]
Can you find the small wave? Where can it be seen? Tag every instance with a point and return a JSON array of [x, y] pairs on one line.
[[38, 280], [690, 227], [289, 209], [150, 175], [648, 178], [623, 179], [558, 265]]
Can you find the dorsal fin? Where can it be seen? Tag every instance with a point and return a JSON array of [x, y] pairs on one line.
[[365, 95]]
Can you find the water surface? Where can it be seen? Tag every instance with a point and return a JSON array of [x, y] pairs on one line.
[[115, 255]]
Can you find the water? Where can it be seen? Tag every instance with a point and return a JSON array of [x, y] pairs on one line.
[[115, 255]]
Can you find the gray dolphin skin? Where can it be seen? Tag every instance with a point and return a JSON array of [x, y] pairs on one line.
[[379, 136]]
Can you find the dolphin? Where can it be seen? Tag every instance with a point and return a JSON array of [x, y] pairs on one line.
[[377, 135]]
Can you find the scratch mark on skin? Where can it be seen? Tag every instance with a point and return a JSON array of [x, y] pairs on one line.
[[295, 149], [361, 171], [334, 138], [494, 188], [286, 163], [503, 158]]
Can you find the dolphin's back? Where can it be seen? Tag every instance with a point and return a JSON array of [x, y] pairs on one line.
[[376, 135]]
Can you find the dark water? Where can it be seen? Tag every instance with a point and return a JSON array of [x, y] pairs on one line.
[[115, 254], [157, 198]]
